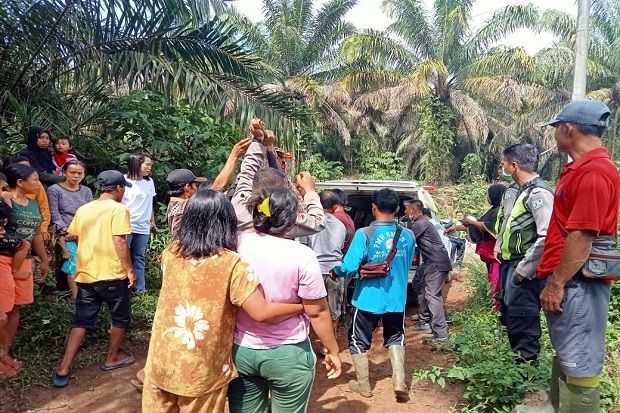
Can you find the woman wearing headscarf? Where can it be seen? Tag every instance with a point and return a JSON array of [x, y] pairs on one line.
[[38, 141], [482, 233]]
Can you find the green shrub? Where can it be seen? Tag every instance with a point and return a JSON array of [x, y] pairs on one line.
[[385, 166], [321, 168], [472, 197], [485, 363]]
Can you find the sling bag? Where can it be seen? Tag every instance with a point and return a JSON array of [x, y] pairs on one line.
[[603, 263], [381, 269]]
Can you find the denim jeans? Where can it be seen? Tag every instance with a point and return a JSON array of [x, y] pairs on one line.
[[137, 247]]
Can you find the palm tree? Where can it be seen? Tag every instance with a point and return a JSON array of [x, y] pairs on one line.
[[531, 89], [299, 44], [425, 57], [52, 50]]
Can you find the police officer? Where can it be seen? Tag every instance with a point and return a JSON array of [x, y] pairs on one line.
[[521, 246]]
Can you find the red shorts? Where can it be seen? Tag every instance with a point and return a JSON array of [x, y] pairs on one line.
[[14, 291]]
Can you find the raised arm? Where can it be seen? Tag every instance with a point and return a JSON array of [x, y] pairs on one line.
[[223, 179], [313, 219], [252, 162]]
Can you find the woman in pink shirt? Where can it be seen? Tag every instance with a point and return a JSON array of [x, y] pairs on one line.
[[277, 358]]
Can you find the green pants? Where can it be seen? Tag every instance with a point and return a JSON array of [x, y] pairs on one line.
[[286, 371]]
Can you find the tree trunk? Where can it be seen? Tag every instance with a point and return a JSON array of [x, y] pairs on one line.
[[614, 133]]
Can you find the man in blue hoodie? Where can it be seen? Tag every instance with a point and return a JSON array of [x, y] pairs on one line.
[[379, 298]]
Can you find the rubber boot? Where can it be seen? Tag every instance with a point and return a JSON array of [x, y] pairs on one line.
[[361, 385], [578, 399], [554, 391], [397, 358], [553, 404]]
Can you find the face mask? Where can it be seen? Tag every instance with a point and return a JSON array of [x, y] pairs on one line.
[[506, 176]]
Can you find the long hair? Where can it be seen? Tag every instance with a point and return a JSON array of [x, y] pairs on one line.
[[283, 206], [208, 226], [135, 162]]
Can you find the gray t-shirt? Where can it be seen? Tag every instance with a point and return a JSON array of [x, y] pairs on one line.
[[328, 243], [64, 202]]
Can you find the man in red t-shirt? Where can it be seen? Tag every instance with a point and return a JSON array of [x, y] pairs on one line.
[[585, 206], [343, 217]]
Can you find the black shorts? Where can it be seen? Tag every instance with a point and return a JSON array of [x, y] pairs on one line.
[[114, 293]]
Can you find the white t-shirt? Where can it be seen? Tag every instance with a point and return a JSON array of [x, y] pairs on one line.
[[139, 200], [442, 234]]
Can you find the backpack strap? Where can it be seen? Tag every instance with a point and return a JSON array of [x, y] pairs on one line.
[[394, 248], [369, 232]]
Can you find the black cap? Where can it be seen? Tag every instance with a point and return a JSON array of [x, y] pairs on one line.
[[111, 178], [587, 112], [180, 177]]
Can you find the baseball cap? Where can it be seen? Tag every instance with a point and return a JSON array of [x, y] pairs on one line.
[[180, 177], [587, 112], [111, 178]]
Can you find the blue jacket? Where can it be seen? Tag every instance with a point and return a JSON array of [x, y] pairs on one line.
[[380, 295]]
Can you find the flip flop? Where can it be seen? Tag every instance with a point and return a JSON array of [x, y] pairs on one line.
[[61, 380], [137, 384], [7, 371], [11, 362], [127, 361]]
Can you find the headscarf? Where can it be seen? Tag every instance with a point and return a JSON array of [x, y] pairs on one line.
[[40, 159], [496, 194]]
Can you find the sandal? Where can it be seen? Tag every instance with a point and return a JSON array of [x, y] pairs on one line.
[[7, 371], [61, 380], [11, 362], [127, 361]]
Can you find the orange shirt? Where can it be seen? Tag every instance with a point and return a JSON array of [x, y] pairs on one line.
[[41, 198], [190, 353]]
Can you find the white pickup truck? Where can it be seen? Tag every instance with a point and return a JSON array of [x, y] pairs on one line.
[[360, 206]]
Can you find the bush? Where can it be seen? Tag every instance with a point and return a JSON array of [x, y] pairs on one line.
[[321, 168], [472, 197], [483, 359], [485, 363], [385, 166]]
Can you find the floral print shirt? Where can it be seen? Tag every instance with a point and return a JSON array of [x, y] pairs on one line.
[[192, 336]]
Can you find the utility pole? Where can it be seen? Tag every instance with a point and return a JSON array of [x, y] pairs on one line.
[[581, 48]]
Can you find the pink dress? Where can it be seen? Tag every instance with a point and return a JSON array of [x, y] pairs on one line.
[[485, 250]]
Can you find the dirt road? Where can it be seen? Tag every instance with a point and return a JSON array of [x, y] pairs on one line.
[[93, 391]]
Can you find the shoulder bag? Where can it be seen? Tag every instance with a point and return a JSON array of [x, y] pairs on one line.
[[603, 263], [381, 269]]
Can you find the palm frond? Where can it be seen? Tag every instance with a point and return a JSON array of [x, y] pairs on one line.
[[412, 23], [427, 73], [374, 46], [501, 24], [559, 23]]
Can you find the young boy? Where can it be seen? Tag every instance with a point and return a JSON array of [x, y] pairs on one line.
[[62, 153]]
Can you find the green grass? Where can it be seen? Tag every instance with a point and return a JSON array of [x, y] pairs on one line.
[[44, 327], [485, 363]]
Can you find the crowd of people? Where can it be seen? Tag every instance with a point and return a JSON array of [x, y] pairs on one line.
[[251, 272]]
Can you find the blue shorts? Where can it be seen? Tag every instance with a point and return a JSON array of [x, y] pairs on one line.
[[114, 293]]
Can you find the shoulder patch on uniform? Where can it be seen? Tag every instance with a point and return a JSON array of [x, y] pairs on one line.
[[537, 203]]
